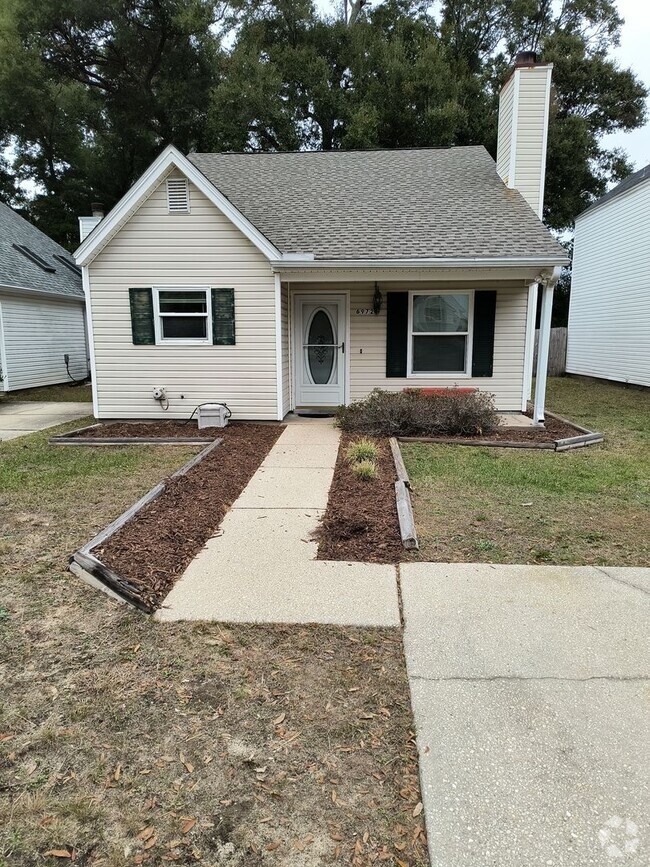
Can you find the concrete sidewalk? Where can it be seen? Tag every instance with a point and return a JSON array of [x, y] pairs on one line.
[[261, 566], [530, 694], [23, 417]]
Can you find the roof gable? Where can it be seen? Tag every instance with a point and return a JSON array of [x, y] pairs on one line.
[[168, 160], [625, 186], [40, 265]]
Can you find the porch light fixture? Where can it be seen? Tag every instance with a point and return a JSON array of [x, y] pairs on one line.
[[377, 301]]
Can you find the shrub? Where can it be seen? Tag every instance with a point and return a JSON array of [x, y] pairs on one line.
[[412, 413], [365, 470], [362, 450]]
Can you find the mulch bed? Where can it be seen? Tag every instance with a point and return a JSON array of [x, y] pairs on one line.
[[360, 522], [553, 430], [154, 548], [148, 429]]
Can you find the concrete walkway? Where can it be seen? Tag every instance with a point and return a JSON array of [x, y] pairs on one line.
[[530, 689], [261, 567], [23, 417]]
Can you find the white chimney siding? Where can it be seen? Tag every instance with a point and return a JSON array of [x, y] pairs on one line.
[[86, 225], [523, 129]]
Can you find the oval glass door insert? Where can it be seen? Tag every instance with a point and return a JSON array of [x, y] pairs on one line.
[[321, 352]]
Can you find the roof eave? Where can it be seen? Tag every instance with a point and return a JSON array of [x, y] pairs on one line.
[[433, 264], [45, 293]]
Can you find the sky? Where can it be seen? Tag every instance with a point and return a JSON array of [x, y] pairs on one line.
[[633, 52]]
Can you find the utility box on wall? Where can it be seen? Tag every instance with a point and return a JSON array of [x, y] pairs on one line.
[[213, 415]]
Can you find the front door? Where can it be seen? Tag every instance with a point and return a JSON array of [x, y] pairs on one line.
[[319, 350]]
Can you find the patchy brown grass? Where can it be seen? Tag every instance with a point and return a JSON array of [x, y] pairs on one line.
[[124, 741]]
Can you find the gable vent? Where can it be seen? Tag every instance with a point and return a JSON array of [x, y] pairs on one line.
[[178, 196]]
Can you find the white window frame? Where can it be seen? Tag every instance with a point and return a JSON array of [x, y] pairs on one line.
[[469, 335], [158, 317]]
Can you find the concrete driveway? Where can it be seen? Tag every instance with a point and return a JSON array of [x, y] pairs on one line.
[[532, 705], [22, 417]]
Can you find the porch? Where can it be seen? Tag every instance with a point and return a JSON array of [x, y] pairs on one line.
[[344, 336]]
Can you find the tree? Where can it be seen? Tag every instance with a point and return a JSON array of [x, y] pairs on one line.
[[91, 90]]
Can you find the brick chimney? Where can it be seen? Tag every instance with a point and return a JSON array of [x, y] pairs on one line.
[[523, 128]]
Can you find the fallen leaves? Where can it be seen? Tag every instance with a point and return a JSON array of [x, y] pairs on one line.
[[188, 824], [417, 809], [189, 767], [59, 853]]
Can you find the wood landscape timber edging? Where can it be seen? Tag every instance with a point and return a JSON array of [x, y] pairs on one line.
[[98, 571], [585, 438], [72, 438], [403, 499]]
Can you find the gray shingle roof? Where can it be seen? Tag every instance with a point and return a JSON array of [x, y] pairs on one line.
[[385, 204], [17, 270], [629, 183]]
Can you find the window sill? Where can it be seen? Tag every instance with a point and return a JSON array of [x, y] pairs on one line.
[[181, 342], [438, 375]]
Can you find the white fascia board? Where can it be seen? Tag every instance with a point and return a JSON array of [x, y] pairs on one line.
[[90, 338], [170, 158], [41, 293], [426, 264]]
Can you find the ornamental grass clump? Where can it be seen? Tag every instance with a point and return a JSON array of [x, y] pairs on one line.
[[365, 470], [362, 450], [414, 413]]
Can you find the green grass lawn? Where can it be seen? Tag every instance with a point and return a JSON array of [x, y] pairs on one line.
[[68, 392], [588, 506]]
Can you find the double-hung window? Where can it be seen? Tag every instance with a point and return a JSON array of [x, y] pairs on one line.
[[439, 332], [182, 315]]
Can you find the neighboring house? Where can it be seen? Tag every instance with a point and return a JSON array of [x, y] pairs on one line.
[[41, 308], [286, 281], [609, 311]]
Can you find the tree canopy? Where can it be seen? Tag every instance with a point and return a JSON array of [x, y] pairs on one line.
[[92, 90]]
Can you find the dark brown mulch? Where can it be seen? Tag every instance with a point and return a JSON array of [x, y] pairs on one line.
[[553, 430], [360, 522], [155, 547], [149, 429]]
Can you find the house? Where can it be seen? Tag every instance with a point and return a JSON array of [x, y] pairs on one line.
[[609, 310], [42, 320], [296, 281]]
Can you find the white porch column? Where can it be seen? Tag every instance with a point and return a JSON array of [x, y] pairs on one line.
[[542, 350]]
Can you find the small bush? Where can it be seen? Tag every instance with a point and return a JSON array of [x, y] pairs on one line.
[[362, 450], [365, 470], [412, 413]]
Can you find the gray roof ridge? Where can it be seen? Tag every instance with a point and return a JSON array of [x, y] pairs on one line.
[[334, 151]]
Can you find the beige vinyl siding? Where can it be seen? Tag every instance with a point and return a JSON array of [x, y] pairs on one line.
[[522, 133], [286, 350], [36, 333], [609, 313], [202, 248], [504, 137], [530, 142], [367, 349]]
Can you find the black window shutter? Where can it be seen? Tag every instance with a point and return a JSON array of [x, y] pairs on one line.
[[141, 302], [397, 315], [485, 305], [223, 317]]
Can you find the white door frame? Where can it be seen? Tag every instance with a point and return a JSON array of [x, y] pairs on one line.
[[316, 297]]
